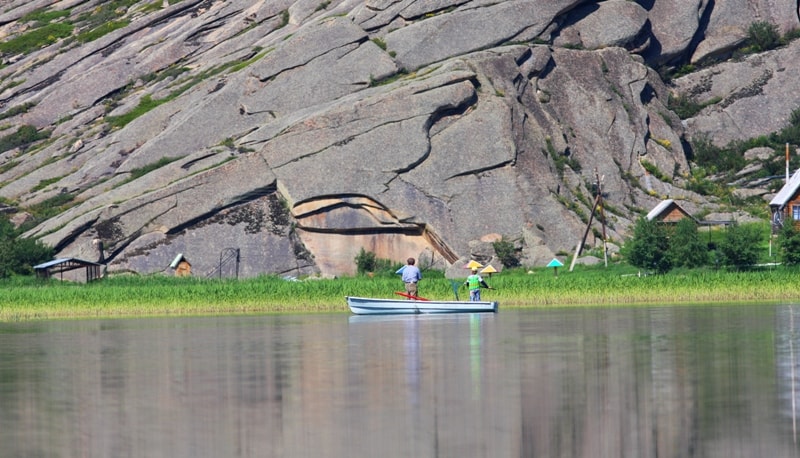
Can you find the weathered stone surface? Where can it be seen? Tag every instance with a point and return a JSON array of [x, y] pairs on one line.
[[301, 132], [764, 83], [674, 25], [591, 25], [727, 25], [466, 30], [761, 153]]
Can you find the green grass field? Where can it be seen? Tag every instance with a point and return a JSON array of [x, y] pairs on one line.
[[126, 296]]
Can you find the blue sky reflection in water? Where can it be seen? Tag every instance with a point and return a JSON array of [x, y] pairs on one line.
[[566, 382]]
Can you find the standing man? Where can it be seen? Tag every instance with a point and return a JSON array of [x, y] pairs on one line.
[[474, 283], [411, 276]]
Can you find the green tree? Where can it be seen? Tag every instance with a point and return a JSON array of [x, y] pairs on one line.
[[789, 242], [685, 247], [648, 247], [740, 245], [18, 255]]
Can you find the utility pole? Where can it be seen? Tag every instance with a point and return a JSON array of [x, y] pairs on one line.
[[598, 200]]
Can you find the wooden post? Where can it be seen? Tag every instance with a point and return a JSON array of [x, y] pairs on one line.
[[597, 201], [602, 215], [579, 248]]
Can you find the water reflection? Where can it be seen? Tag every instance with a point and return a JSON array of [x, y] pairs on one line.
[[593, 382], [788, 362]]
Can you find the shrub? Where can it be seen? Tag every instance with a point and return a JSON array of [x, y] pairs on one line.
[[52, 206], [41, 16], [789, 242], [507, 253], [19, 255], [740, 246], [790, 133], [19, 109], [648, 247], [684, 106], [714, 158], [685, 247], [24, 136], [367, 261], [763, 36], [36, 38], [381, 44]]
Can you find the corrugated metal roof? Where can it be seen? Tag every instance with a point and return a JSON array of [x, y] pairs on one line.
[[176, 261], [787, 191], [52, 263], [663, 205], [56, 262]]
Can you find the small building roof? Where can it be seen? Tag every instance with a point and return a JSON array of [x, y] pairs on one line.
[[66, 263], [787, 191], [61, 265], [180, 257], [664, 207]]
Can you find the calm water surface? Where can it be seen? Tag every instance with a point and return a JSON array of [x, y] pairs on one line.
[[705, 381]]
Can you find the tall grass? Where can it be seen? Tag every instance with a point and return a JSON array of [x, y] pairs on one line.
[[28, 298]]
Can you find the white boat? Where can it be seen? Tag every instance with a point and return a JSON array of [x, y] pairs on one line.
[[376, 306]]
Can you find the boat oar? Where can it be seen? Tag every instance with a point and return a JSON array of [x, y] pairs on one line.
[[411, 296]]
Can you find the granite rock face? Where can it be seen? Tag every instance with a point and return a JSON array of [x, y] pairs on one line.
[[299, 133]]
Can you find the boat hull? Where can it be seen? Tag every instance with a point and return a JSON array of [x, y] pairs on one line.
[[375, 306]]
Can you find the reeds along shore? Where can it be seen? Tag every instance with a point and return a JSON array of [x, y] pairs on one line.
[[118, 296]]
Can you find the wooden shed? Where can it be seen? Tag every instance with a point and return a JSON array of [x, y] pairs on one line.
[[668, 211], [181, 265], [785, 206], [70, 266]]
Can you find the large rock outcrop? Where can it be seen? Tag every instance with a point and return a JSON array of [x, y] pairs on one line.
[[300, 133]]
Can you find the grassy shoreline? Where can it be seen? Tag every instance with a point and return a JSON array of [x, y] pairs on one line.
[[23, 299]]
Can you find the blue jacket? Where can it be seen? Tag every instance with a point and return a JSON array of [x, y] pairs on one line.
[[411, 274]]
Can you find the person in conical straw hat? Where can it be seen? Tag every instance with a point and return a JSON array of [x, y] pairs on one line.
[[474, 283]]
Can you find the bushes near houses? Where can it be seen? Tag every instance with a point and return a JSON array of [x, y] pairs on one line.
[[789, 243], [686, 249], [659, 248], [648, 247], [740, 246]]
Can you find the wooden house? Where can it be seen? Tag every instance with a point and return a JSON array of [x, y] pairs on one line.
[[181, 266], [668, 211], [785, 206]]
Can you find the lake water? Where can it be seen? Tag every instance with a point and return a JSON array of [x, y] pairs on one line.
[[706, 381]]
